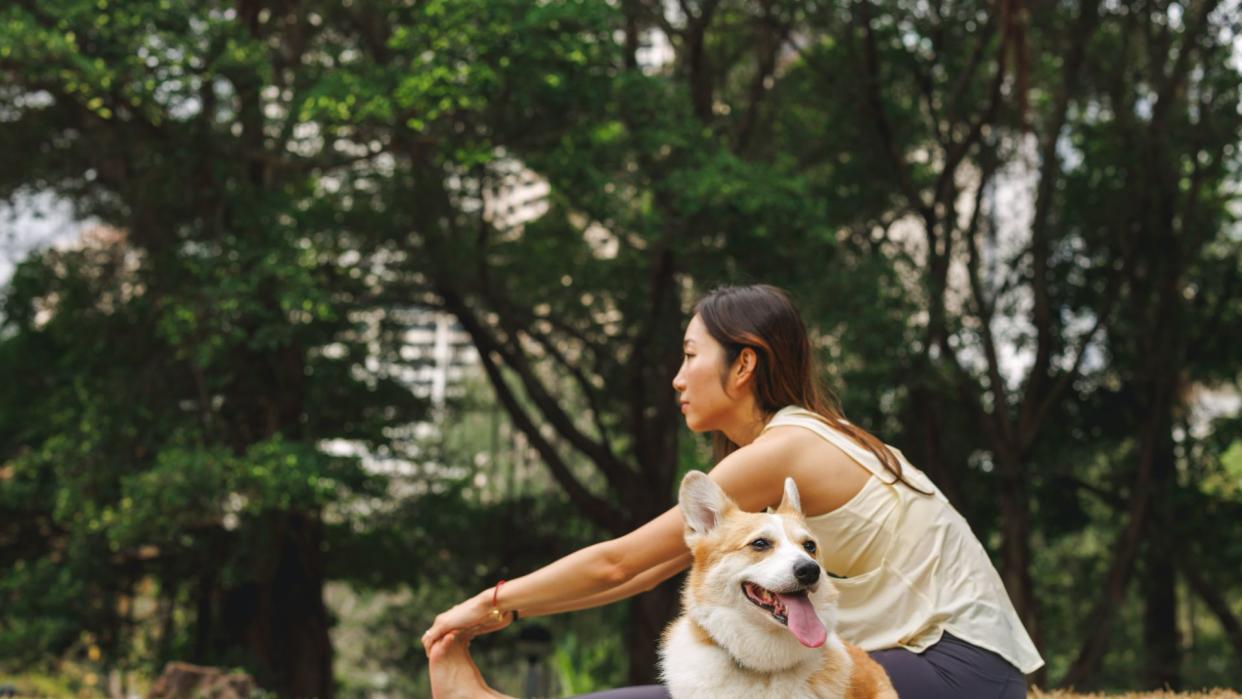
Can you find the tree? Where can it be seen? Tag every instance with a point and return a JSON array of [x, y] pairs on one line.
[[174, 380], [953, 98], [1152, 199]]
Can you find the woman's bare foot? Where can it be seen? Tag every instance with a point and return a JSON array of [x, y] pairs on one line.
[[454, 674]]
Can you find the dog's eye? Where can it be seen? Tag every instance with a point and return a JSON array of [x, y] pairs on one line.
[[809, 546], [760, 544]]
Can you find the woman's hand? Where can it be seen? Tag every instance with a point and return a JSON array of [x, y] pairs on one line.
[[473, 615]]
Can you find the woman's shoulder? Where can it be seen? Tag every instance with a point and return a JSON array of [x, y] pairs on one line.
[[819, 460], [754, 474], [788, 438], [801, 440], [826, 475], [790, 444], [774, 444]]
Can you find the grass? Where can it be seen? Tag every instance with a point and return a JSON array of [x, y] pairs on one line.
[[1202, 694]]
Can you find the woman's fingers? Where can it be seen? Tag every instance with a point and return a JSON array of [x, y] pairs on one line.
[[471, 617], [434, 634], [491, 626], [441, 646]]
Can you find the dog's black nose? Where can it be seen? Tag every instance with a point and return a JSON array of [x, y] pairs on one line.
[[806, 572]]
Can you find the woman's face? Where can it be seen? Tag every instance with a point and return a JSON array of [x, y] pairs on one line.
[[703, 400]]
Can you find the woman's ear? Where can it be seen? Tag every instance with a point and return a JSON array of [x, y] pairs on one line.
[[744, 365]]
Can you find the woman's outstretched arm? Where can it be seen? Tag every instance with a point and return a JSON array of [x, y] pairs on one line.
[[753, 476], [640, 583], [582, 574]]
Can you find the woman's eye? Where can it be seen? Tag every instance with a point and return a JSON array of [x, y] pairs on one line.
[[760, 544], [809, 546]]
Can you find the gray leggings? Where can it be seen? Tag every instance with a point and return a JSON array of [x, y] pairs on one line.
[[952, 668]]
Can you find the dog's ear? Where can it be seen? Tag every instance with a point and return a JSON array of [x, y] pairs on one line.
[[791, 501], [702, 504]]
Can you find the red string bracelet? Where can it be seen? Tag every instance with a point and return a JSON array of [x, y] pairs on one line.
[[496, 592], [496, 614]]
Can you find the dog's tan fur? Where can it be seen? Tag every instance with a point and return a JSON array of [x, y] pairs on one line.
[[723, 646]]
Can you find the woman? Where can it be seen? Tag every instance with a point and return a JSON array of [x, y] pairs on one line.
[[917, 588]]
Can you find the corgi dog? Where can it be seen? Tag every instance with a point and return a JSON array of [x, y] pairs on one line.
[[759, 614]]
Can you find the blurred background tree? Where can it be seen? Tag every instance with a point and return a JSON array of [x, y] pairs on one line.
[[1011, 226]]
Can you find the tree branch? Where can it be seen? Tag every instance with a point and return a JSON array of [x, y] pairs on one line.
[[1028, 427], [1125, 549], [1209, 328], [592, 506], [875, 103], [955, 156], [1033, 404], [985, 307], [1219, 606], [773, 35], [968, 75], [584, 384], [698, 62], [617, 473], [1171, 83]]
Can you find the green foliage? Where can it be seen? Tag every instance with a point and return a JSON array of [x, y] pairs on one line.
[[281, 183], [583, 668]]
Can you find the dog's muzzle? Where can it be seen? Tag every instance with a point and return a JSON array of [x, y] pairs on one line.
[[792, 609]]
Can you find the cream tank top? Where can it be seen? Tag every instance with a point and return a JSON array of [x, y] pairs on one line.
[[909, 566]]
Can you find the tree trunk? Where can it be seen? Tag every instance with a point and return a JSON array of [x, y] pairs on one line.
[[280, 618], [1016, 542], [204, 592], [923, 416], [1218, 605], [1161, 644], [1155, 429], [649, 614]]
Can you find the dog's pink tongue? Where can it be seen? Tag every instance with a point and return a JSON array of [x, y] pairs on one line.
[[803, 622]]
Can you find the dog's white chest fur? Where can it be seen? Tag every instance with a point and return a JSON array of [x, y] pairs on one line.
[[695, 669]]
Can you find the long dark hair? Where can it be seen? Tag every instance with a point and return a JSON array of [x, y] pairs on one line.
[[763, 318]]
